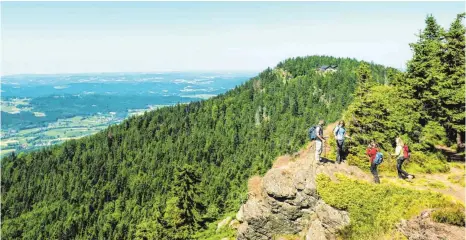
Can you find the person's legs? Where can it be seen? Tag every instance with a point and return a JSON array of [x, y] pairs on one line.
[[375, 173], [339, 151], [318, 150], [399, 167]]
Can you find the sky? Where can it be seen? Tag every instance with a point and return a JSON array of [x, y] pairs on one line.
[[83, 37]]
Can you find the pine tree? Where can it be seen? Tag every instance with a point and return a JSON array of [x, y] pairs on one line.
[[396, 78], [451, 91], [425, 69], [364, 79], [184, 209]]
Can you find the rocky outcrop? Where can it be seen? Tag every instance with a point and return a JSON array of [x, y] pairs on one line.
[[286, 201], [423, 228]]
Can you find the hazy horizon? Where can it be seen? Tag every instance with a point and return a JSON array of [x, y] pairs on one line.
[[129, 37]]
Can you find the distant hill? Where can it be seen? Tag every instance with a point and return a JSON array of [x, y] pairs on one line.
[[126, 182]]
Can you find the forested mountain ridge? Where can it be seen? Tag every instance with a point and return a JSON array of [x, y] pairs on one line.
[[425, 105], [132, 180], [169, 173], [425, 108]]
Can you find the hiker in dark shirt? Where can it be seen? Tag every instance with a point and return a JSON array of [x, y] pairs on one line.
[[371, 152]]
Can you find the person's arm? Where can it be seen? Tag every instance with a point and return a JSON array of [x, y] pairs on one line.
[[373, 154], [368, 152], [400, 151], [346, 134], [397, 151], [321, 138], [394, 154]]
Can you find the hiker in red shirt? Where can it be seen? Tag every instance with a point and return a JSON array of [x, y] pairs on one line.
[[371, 151]]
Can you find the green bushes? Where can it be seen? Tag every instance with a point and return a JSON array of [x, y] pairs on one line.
[[451, 215], [417, 163], [457, 178], [422, 163], [432, 134], [375, 209], [211, 232]]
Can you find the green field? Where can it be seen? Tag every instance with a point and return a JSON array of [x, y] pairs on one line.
[[11, 106], [58, 131]]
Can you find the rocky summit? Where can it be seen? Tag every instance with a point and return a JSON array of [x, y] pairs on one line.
[[286, 201]]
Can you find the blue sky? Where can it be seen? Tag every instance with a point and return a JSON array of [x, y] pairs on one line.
[[76, 37]]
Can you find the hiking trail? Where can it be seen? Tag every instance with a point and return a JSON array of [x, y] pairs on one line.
[[285, 199], [437, 182]]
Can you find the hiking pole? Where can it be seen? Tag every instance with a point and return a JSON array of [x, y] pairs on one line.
[[325, 149]]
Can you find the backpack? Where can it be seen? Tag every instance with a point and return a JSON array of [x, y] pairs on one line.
[[378, 158], [312, 133], [406, 153]]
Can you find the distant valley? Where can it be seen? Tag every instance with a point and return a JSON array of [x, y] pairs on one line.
[[42, 110]]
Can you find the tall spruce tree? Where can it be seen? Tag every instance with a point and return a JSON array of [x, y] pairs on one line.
[[356, 119], [425, 69], [183, 215], [364, 79], [452, 90]]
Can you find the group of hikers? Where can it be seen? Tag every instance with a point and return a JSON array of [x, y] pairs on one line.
[[373, 153]]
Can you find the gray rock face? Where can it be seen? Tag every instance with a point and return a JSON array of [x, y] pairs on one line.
[[331, 218], [423, 228], [289, 204], [278, 184], [316, 231]]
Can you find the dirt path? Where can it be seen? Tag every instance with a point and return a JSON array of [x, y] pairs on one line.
[[435, 182], [288, 169], [305, 158]]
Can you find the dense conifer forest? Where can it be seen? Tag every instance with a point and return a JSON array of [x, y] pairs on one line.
[[425, 105], [168, 173], [126, 182]]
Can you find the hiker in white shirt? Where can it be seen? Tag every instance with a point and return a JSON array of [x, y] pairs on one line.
[[319, 140], [400, 158]]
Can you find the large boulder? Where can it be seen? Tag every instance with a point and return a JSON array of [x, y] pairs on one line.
[[289, 205], [316, 231], [278, 184], [331, 218], [254, 209], [423, 228]]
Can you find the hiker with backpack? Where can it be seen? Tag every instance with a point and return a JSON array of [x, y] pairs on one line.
[[401, 154], [340, 133], [317, 133], [375, 158]]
